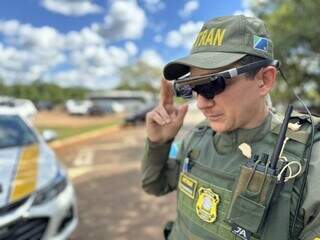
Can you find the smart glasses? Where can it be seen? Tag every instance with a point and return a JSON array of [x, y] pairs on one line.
[[211, 85]]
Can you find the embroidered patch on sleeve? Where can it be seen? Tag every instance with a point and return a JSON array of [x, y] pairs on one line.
[[187, 185], [174, 150]]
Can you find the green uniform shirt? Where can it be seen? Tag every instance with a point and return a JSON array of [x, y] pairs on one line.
[[160, 173]]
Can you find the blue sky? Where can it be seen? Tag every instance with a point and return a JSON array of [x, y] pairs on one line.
[[83, 42]]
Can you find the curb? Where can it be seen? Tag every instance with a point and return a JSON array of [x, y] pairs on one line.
[[83, 136]]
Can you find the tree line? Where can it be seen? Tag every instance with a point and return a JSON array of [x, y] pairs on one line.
[[41, 91]]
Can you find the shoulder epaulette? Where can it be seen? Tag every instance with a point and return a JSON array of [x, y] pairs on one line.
[[300, 126]]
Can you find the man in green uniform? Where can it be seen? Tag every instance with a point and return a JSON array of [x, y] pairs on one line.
[[205, 167]]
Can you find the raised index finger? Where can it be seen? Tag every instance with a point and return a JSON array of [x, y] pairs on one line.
[[166, 93]]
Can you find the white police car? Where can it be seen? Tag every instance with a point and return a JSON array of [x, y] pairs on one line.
[[37, 201]]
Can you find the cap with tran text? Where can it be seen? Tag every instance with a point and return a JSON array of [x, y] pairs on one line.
[[223, 41]]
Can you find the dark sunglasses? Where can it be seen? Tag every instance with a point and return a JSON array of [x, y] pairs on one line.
[[211, 85]]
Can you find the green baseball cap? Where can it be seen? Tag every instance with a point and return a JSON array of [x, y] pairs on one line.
[[223, 41]]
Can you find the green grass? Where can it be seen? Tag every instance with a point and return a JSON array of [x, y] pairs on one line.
[[64, 132]]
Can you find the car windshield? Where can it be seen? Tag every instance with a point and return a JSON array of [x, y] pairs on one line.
[[15, 132]]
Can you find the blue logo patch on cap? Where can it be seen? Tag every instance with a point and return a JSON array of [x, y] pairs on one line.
[[260, 43], [174, 150]]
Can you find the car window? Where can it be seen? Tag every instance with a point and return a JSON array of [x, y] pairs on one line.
[[14, 132]]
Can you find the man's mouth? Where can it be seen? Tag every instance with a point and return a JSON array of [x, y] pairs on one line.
[[214, 116]]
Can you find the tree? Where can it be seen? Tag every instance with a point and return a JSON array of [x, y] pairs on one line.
[[294, 25], [3, 88], [140, 76]]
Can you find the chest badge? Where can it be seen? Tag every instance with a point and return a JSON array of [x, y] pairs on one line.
[[207, 204]]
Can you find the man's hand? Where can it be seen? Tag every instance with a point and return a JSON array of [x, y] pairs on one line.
[[165, 120]]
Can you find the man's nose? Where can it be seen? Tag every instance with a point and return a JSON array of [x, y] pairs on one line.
[[203, 102]]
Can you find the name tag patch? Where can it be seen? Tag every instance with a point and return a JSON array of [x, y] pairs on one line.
[[187, 185]]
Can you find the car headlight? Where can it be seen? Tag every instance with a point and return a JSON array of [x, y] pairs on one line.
[[58, 184]]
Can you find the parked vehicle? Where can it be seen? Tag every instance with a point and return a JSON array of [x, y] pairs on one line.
[[96, 110], [138, 116], [78, 107], [23, 107], [37, 200], [118, 107], [44, 105]]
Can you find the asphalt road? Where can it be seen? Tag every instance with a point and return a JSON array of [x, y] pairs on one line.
[[105, 172]]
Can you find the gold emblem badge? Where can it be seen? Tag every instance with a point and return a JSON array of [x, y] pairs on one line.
[[207, 204]]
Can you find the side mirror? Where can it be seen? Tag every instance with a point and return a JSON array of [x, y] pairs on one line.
[[49, 135]]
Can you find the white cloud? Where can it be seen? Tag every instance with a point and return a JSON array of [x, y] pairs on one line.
[[76, 77], [94, 66], [152, 58], [73, 77], [27, 65], [253, 3], [9, 28], [29, 53], [246, 12], [154, 5], [98, 58], [131, 48], [71, 7], [26, 36], [125, 20], [184, 36], [82, 38], [189, 8]]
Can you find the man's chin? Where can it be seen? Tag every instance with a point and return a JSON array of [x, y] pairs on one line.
[[217, 127]]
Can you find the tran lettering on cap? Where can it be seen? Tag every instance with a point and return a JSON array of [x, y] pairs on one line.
[[210, 37]]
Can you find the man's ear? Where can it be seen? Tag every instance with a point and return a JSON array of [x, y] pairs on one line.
[[266, 78]]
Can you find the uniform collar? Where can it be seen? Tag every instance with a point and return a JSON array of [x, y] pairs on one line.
[[225, 142]]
